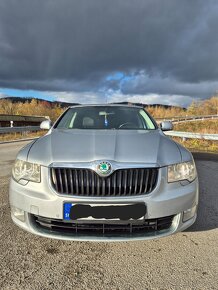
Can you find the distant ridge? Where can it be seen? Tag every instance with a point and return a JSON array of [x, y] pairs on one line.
[[149, 105], [26, 99]]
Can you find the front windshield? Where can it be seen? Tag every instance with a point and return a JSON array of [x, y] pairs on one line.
[[106, 117]]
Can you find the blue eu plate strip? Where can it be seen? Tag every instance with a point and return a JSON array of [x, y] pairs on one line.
[[67, 207]]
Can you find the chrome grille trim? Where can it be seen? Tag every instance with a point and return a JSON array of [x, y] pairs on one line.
[[86, 182]]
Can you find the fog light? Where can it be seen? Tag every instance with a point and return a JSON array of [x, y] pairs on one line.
[[189, 213], [18, 213]]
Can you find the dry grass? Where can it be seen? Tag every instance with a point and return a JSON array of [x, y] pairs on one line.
[[199, 145], [207, 126]]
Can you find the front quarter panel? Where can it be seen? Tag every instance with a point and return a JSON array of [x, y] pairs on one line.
[[185, 154], [23, 153], [168, 152]]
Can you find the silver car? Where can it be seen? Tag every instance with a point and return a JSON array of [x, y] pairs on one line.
[[104, 173]]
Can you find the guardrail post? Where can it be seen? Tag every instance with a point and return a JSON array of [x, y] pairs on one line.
[[11, 124]]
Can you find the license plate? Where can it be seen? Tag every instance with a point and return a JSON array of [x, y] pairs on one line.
[[120, 212]]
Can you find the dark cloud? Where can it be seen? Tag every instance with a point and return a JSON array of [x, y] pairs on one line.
[[73, 45], [144, 84]]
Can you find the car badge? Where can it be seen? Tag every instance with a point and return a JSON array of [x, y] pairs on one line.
[[104, 168]]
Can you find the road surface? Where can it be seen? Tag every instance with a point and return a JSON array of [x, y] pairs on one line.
[[188, 260]]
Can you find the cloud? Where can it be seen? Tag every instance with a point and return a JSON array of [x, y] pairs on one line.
[[173, 100], [143, 83], [159, 47], [114, 97], [75, 97], [2, 96]]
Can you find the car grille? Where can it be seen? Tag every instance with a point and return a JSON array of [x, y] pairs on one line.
[[103, 229], [86, 182]]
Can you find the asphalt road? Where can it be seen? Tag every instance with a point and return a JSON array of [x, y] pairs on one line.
[[188, 260]]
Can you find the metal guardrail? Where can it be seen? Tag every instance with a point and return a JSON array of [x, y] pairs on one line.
[[31, 118], [5, 130], [190, 135], [191, 120]]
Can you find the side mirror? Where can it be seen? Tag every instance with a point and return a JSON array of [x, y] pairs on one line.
[[46, 125], [166, 126]]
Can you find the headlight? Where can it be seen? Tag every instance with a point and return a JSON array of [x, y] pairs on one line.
[[182, 171], [23, 170]]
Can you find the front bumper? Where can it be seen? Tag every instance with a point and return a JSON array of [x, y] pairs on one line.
[[39, 199]]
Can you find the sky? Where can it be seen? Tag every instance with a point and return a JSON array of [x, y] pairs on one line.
[[98, 51]]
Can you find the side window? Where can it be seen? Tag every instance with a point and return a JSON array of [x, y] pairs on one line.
[[141, 122], [72, 120], [65, 120], [148, 123]]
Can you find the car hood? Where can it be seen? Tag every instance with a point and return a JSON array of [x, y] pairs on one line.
[[146, 147]]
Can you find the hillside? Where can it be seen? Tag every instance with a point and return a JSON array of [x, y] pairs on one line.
[[15, 100]]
